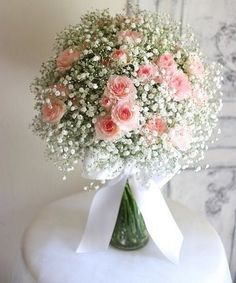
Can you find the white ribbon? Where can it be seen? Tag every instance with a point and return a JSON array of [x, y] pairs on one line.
[[158, 219]]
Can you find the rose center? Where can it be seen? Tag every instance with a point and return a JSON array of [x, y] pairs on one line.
[[119, 88], [160, 126], [51, 110], [119, 53], [146, 71], [125, 114], [109, 126]]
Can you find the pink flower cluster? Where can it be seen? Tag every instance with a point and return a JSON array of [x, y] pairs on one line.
[[129, 36], [164, 70], [147, 73], [119, 55], [194, 66], [126, 89], [119, 98], [155, 127], [53, 110], [66, 59], [175, 79], [122, 111]]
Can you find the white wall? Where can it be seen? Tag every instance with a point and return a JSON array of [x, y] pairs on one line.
[[27, 181]]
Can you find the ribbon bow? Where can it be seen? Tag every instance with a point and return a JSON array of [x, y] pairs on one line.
[[159, 221]]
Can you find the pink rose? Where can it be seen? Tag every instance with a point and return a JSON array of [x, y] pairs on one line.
[[129, 36], [166, 66], [126, 115], [53, 111], [166, 62], [66, 58], [106, 128], [199, 97], [181, 86], [147, 72], [180, 137], [194, 66], [157, 124], [120, 56], [106, 102], [120, 87], [156, 127]]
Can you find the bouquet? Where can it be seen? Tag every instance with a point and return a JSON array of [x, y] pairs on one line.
[[126, 92]]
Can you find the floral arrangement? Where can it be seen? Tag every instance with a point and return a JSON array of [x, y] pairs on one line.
[[126, 90]]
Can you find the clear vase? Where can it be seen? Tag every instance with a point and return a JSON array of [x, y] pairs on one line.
[[130, 232]]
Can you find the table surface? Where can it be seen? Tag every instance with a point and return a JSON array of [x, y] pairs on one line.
[[51, 240]]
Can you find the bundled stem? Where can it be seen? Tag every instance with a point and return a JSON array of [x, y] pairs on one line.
[[130, 231]]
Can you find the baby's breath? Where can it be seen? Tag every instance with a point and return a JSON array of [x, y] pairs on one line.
[[83, 85]]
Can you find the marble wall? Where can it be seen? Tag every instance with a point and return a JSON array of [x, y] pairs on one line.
[[212, 192]]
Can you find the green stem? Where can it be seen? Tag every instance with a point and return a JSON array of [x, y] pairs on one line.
[[130, 231]]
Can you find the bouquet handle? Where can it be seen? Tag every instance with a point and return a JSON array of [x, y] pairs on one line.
[[158, 219]]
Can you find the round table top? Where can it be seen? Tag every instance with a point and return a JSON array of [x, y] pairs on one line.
[[51, 241]]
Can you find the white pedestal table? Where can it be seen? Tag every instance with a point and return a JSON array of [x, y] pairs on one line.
[[51, 241]]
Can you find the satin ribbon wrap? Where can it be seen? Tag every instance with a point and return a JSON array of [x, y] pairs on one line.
[[159, 221]]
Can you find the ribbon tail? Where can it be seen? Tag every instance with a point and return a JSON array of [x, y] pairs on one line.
[[158, 218], [102, 216]]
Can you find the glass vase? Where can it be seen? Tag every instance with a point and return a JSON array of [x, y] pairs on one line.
[[130, 232]]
